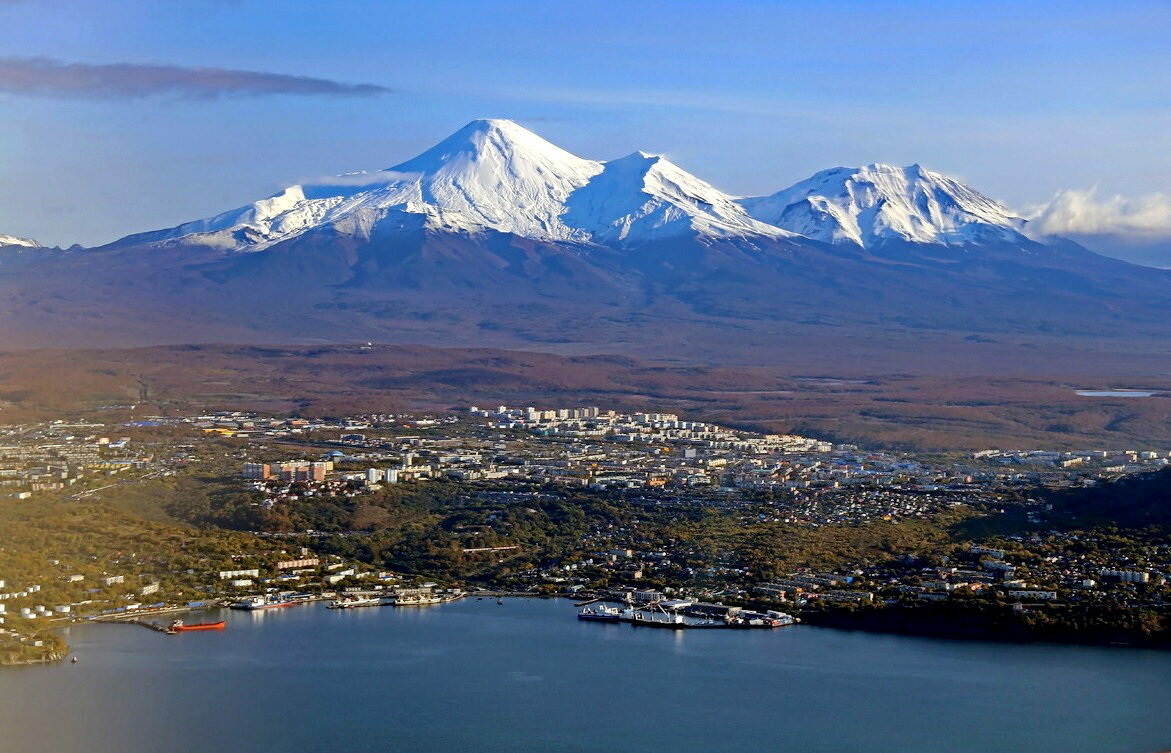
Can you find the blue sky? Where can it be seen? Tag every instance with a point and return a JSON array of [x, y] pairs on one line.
[[1021, 100]]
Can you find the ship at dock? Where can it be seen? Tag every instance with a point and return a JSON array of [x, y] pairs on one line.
[[685, 615], [656, 616], [769, 619], [356, 601], [178, 626], [600, 614], [416, 597], [270, 601], [400, 597]]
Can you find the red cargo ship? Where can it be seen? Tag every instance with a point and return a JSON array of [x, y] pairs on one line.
[[178, 627]]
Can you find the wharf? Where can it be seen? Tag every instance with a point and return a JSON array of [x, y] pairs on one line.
[[148, 625], [137, 616]]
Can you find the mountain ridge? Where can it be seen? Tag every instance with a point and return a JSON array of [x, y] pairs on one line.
[[497, 237], [497, 175]]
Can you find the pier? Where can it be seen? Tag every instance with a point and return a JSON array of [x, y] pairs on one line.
[[148, 625]]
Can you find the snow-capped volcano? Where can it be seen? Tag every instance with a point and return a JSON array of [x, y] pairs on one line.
[[489, 175], [12, 240], [879, 203], [644, 197]]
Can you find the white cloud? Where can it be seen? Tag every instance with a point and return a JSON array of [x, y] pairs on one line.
[[1078, 212]]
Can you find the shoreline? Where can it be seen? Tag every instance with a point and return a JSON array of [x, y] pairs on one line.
[[976, 628], [964, 631]]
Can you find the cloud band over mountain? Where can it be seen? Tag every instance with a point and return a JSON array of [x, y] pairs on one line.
[[1082, 212], [42, 76]]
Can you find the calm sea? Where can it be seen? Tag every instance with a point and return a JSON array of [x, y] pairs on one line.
[[526, 676]]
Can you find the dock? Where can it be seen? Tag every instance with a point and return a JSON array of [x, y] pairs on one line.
[[148, 625]]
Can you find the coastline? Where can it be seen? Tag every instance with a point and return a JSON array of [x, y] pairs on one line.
[[52, 658], [967, 625], [977, 626]]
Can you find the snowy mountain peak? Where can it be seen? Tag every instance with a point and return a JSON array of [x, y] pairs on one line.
[[494, 174], [494, 143], [877, 203], [13, 240], [643, 197]]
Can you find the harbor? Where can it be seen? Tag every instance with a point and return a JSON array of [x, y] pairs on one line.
[[400, 597], [671, 614]]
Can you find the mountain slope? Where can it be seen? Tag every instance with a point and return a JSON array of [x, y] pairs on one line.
[[879, 203], [729, 300]]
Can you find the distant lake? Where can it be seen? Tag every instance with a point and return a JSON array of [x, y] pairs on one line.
[[1114, 393], [527, 677]]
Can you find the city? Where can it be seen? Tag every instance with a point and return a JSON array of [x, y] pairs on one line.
[[320, 485]]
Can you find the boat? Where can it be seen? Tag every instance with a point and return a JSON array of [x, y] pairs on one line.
[[352, 602], [782, 619], [178, 626], [418, 597], [768, 619], [600, 614], [263, 602], [416, 600], [651, 619]]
